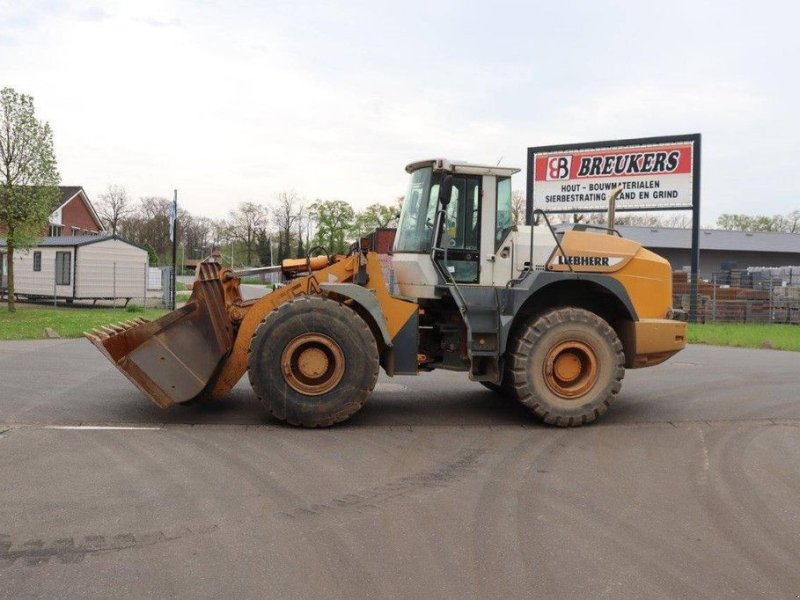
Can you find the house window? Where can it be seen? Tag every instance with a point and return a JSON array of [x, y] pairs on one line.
[[63, 270], [55, 230], [37, 260], [76, 231]]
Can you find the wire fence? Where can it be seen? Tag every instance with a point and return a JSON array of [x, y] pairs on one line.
[[58, 280], [755, 295]]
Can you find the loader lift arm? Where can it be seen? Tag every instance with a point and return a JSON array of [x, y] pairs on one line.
[[201, 350]]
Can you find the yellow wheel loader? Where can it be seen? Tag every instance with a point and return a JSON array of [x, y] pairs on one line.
[[549, 318]]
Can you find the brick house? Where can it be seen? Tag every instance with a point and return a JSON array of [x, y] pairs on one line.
[[73, 214]]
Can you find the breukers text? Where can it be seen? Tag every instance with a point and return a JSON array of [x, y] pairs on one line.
[[629, 164]]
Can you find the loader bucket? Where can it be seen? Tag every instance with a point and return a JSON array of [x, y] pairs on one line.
[[175, 358]]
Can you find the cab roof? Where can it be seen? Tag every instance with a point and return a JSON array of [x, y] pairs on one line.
[[454, 166]]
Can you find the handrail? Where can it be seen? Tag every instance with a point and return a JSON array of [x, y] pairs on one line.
[[539, 211], [440, 214]]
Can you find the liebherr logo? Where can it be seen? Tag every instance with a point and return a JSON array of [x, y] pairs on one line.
[[588, 261]]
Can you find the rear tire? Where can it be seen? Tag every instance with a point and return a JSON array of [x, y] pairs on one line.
[[567, 366], [313, 362]]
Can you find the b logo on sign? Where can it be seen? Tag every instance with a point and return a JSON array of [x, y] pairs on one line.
[[558, 167]]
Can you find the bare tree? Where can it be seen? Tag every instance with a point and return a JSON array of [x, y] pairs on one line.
[[196, 237], [245, 222], [148, 224], [793, 222], [113, 207], [284, 215], [677, 219], [789, 223], [631, 219], [518, 207]]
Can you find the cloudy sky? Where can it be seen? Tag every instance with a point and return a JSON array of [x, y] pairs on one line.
[[237, 100]]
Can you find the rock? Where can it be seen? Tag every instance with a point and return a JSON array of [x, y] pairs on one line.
[[50, 333], [767, 345]]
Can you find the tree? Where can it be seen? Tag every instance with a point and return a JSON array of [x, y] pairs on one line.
[[284, 216], [334, 224], [301, 250], [196, 232], [375, 216], [792, 222], [113, 207], [149, 224], [245, 223], [152, 256], [264, 248], [787, 224], [28, 176], [518, 207]]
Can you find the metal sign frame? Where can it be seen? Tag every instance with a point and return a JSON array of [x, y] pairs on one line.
[[694, 139]]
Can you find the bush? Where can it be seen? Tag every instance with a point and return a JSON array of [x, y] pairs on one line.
[[134, 308]]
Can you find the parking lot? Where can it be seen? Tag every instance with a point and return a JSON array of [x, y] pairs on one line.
[[438, 488]]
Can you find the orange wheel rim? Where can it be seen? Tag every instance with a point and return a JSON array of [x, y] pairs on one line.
[[570, 369], [312, 364]]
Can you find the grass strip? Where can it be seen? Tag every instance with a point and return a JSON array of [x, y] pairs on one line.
[[746, 335], [29, 322]]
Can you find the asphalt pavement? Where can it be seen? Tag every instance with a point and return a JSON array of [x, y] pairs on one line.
[[438, 488]]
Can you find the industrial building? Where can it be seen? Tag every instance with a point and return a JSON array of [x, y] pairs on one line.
[[719, 250]]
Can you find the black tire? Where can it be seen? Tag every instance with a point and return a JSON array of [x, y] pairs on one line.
[[334, 340], [506, 387], [567, 366]]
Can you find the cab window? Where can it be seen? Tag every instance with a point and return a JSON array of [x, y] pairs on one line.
[[504, 219]]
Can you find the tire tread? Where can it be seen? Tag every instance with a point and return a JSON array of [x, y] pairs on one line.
[[523, 345]]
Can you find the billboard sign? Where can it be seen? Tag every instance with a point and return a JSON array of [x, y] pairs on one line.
[[654, 174]]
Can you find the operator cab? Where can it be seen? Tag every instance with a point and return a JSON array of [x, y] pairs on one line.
[[477, 242]]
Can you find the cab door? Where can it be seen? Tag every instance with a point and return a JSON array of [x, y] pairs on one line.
[[461, 239]]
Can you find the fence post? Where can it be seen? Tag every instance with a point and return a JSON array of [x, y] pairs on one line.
[[144, 289], [771, 306], [714, 300]]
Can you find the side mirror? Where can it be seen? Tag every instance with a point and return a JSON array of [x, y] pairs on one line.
[[445, 190]]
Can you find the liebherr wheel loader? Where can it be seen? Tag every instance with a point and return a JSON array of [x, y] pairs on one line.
[[550, 319]]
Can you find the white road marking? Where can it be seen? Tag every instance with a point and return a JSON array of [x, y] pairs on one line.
[[103, 427]]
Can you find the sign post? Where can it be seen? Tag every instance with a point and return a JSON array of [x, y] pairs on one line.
[[654, 174], [173, 237]]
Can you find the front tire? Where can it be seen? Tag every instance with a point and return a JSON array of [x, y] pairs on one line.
[[313, 362], [567, 366]]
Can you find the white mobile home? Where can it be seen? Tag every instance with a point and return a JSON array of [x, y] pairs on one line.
[[83, 267]]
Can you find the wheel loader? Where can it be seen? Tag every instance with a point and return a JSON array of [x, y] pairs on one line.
[[549, 318]]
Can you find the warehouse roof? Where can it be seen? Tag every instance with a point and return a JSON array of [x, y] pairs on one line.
[[713, 239]]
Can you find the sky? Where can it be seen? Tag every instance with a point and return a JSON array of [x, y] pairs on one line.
[[237, 100]]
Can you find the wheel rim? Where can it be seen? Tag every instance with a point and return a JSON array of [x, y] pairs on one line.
[[570, 369], [312, 364]]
